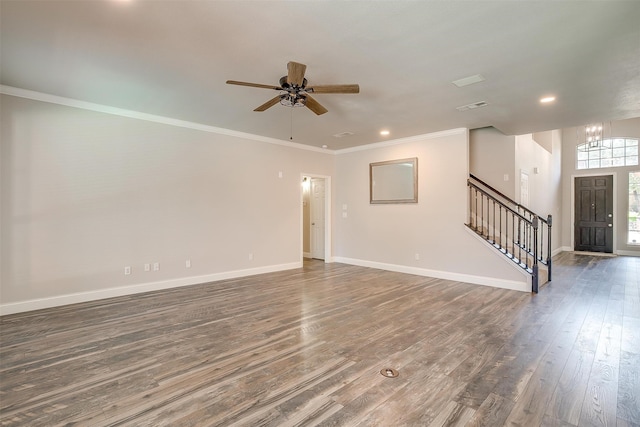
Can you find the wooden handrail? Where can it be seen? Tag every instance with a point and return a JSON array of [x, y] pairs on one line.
[[526, 233], [510, 200]]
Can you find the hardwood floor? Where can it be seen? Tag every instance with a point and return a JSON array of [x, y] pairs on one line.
[[305, 347]]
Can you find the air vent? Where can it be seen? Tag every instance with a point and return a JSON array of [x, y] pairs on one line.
[[468, 80], [342, 134], [472, 106]]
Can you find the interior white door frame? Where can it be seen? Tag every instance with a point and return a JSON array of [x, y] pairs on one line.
[[328, 256], [316, 209]]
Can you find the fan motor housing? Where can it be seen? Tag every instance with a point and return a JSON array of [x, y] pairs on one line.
[[286, 86]]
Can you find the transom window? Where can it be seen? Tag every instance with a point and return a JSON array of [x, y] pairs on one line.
[[607, 153]]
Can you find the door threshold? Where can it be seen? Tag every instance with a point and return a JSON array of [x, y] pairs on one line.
[[603, 254]]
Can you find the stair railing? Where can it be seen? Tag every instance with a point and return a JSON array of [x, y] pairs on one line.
[[514, 230]]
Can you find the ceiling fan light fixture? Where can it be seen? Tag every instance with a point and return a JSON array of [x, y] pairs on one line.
[[293, 100], [294, 91]]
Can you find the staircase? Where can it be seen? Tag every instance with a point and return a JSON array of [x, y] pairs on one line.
[[518, 233]]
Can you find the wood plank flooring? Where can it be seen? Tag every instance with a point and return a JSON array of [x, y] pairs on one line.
[[305, 347]]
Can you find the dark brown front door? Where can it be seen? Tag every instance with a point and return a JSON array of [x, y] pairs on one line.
[[594, 214]]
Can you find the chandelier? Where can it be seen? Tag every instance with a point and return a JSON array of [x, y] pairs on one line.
[[593, 137]]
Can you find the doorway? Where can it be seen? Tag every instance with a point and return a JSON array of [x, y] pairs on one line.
[[593, 215], [316, 220]]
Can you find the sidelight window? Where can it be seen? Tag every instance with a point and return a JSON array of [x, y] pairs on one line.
[[633, 234]]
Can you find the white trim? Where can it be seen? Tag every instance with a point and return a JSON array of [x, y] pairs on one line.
[[628, 253], [90, 106], [328, 256], [37, 304], [407, 140], [560, 250], [438, 274]]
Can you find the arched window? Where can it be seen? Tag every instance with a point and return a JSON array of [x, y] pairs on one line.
[[607, 153]]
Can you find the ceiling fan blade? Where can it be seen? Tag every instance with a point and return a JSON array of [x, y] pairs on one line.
[[314, 106], [296, 73], [270, 103], [233, 82], [334, 89]]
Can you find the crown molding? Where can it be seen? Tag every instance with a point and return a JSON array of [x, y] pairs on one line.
[[416, 138], [90, 106]]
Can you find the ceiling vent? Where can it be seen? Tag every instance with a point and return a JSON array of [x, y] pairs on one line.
[[468, 80], [342, 134], [472, 106]]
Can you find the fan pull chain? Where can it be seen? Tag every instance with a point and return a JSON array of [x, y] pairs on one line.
[[291, 130]]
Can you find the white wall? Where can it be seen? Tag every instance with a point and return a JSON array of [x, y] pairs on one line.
[[622, 128], [85, 194], [544, 174], [492, 155], [390, 235], [545, 178]]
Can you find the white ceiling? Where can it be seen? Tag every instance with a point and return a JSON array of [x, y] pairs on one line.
[[172, 58]]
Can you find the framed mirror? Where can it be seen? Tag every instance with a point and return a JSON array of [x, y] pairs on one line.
[[394, 181]]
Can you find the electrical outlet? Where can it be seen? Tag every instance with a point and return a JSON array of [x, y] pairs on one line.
[[127, 270], [147, 267], [250, 256], [187, 263], [156, 266], [417, 257]]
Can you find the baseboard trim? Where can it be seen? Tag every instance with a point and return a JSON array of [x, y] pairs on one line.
[[38, 304], [628, 253], [438, 274], [621, 252]]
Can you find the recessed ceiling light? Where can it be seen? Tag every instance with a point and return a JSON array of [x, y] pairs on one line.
[[547, 99], [384, 132], [325, 146]]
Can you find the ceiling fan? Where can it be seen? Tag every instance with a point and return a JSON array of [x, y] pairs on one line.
[[294, 91]]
